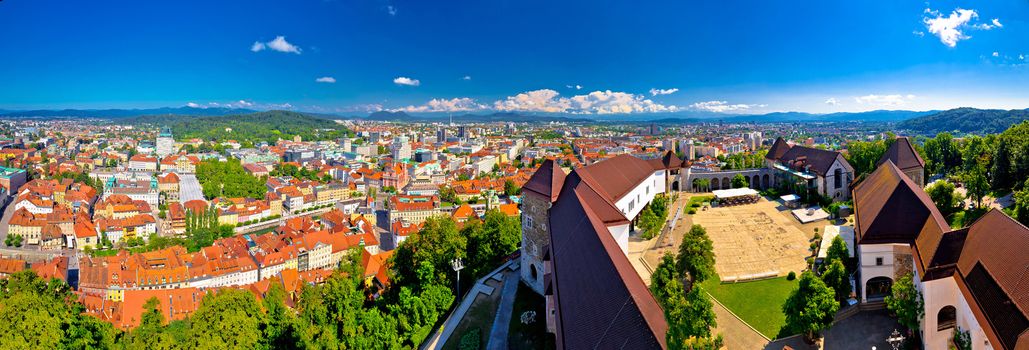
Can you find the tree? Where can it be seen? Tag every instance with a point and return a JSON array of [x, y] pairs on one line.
[[835, 276], [976, 184], [739, 181], [149, 334], [811, 307], [864, 155], [496, 237], [943, 195], [227, 319], [838, 251], [906, 302], [650, 223], [703, 184], [689, 314], [437, 243], [1001, 171], [696, 255], [1022, 204], [45, 314], [511, 189]]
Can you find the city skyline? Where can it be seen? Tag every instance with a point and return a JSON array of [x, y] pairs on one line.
[[571, 57]]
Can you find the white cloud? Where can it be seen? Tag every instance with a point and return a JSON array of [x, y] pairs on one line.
[[278, 44], [467, 77], [193, 105], [996, 54], [597, 102], [655, 92], [948, 29], [918, 33], [884, 100], [329, 80], [462, 104], [577, 87], [392, 10], [1021, 57], [407, 81], [721, 106], [951, 29], [832, 101]]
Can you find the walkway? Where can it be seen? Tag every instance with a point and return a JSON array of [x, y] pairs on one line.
[[502, 322], [441, 335], [737, 334]]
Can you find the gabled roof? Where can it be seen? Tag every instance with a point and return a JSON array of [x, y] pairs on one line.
[[818, 160], [890, 208], [547, 180], [779, 148], [602, 302], [668, 161], [613, 178], [902, 154]]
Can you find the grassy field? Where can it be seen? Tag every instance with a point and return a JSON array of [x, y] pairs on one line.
[[758, 303]]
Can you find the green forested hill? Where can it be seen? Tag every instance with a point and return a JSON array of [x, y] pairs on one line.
[[965, 121], [261, 126]]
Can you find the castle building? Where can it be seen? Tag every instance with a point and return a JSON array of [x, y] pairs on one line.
[[575, 229], [904, 156]]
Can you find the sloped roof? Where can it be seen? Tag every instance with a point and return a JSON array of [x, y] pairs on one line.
[[602, 302], [668, 161], [902, 154], [819, 160], [615, 177], [994, 266], [547, 180], [890, 208], [779, 148]]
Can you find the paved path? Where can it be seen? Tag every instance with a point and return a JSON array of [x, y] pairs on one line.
[[737, 335], [502, 322]]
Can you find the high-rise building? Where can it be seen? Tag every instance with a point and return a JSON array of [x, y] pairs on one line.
[[165, 142]]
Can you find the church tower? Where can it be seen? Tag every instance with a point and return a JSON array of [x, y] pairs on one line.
[[538, 194]]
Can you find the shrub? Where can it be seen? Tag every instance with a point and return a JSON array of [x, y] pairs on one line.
[[791, 276], [470, 340], [692, 211]]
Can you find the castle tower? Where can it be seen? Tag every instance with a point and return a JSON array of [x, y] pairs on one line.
[[538, 194], [904, 156]]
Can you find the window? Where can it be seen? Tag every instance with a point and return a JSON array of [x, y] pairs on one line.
[[879, 261], [838, 178]]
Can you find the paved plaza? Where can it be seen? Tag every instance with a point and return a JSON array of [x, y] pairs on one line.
[[753, 241], [189, 188]]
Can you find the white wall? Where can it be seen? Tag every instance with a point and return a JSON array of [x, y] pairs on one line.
[[642, 194], [869, 270], [940, 293]]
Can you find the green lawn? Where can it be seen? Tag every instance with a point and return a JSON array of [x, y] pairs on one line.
[[758, 303]]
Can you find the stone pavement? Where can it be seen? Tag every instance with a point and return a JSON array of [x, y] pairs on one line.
[[502, 322]]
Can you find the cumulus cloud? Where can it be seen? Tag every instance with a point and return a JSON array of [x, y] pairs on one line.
[[467, 77], [884, 100], [194, 105], [597, 102], [951, 28], [278, 44], [577, 87], [655, 92], [832, 101], [996, 54], [392, 10], [329, 80], [721, 106], [462, 104], [406, 81]]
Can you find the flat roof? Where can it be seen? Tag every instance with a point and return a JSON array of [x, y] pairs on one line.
[[735, 192]]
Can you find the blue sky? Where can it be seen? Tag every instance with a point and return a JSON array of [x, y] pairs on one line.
[[588, 57]]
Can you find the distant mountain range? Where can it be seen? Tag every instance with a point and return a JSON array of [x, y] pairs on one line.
[[959, 120], [123, 113], [468, 117], [965, 120]]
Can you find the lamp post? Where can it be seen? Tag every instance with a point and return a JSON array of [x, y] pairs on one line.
[[457, 265]]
